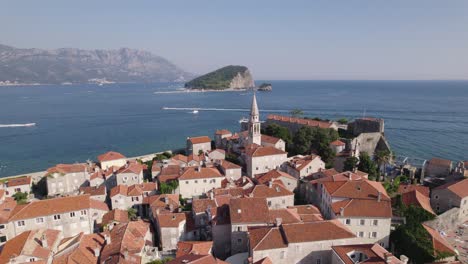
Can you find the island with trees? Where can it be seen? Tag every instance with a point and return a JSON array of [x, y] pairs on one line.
[[231, 77]]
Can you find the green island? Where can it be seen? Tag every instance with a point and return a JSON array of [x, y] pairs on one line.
[[222, 79]]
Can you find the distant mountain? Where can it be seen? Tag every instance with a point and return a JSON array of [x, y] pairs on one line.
[[70, 65], [229, 77]]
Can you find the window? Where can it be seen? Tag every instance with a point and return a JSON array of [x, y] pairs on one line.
[[375, 222], [204, 181], [134, 198], [239, 240], [83, 212], [39, 220], [319, 261], [360, 234], [17, 189], [362, 222], [239, 228], [196, 181], [2, 239], [32, 259], [56, 217], [186, 182], [282, 254], [348, 221], [2, 226], [20, 223], [284, 201], [374, 234], [437, 196], [256, 168], [72, 214], [269, 203]]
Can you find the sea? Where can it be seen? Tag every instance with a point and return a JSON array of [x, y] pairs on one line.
[[43, 125]]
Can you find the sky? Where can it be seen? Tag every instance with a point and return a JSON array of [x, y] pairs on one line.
[[277, 40]]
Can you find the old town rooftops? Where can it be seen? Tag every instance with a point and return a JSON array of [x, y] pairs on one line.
[[375, 254], [18, 181], [254, 150], [68, 168], [111, 155], [300, 121], [459, 188], [248, 210]]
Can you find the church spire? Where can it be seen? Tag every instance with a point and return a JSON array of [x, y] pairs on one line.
[[255, 137]]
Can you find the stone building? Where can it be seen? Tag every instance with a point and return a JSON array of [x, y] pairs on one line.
[[276, 195], [133, 196], [197, 145], [79, 248], [19, 184], [230, 170], [372, 253], [67, 178], [450, 195], [436, 167], [260, 159], [366, 125], [294, 124], [111, 159], [301, 166], [288, 181], [71, 215], [221, 136], [131, 173], [197, 181]]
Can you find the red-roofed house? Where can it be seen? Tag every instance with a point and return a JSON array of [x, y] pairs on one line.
[[67, 178], [439, 244], [83, 249], [72, 215], [194, 247], [301, 166], [36, 246], [364, 253], [286, 179], [450, 195], [113, 218], [131, 173], [196, 181], [261, 159], [299, 242], [123, 196], [362, 205], [221, 136], [19, 184], [337, 146], [277, 195], [416, 198], [230, 170], [111, 159], [172, 228], [197, 145]]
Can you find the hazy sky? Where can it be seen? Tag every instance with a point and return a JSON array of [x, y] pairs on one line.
[[351, 39]]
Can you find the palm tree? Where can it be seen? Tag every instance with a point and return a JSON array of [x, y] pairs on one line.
[[382, 157]]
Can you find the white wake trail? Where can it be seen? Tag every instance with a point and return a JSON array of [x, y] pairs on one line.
[[18, 125]]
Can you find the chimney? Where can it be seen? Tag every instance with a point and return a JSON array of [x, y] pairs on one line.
[[125, 254], [211, 195], [107, 238], [404, 259], [157, 211], [44, 240], [341, 211], [166, 200], [171, 207], [278, 221], [97, 252], [198, 168], [379, 196], [270, 184]]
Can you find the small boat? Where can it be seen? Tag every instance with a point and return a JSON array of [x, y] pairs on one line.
[[195, 111]]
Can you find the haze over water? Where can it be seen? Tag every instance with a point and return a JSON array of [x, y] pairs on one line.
[[78, 122]]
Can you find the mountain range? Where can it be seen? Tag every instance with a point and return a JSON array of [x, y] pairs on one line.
[[71, 65]]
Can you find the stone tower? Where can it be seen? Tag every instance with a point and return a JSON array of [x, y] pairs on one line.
[[255, 137]]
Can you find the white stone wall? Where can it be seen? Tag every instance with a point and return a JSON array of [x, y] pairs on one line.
[[170, 236], [129, 178], [290, 184], [257, 165], [233, 174], [365, 226], [195, 148], [198, 187], [9, 191], [280, 202], [58, 184]]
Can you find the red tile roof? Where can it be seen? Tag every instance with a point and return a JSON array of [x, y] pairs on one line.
[[133, 167], [226, 165], [202, 205], [276, 190], [193, 247], [438, 242], [272, 175], [300, 121], [169, 173], [56, 206], [363, 207], [133, 190], [249, 210], [358, 189], [416, 198], [223, 132], [459, 188], [196, 259], [374, 252], [115, 215], [270, 139], [79, 249], [200, 173], [299, 163], [266, 238], [316, 231], [259, 151], [265, 260], [111, 155], [67, 168], [404, 188], [338, 143], [287, 216], [29, 244], [93, 191], [199, 140], [18, 181], [126, 237], [162, 203], [171, 220]]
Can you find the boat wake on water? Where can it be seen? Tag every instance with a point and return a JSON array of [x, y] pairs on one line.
[[18, 125], [196, 109]]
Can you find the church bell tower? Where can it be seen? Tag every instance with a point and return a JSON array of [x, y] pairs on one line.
[[255, 136]]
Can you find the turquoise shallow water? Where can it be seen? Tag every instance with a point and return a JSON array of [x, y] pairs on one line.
[[78, 122]]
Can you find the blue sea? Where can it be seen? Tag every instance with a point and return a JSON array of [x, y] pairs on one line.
[[74, 123]]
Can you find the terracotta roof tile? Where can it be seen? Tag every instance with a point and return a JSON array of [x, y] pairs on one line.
[[249, 210], [316, 231], [200, 173], [132, 167], [438, 242], [111, 155], [374, 252], [56, 206], [259, 151], [133, 190], [266, 238], [93, 190], [301, 121], [416, 198], [228, 165], [79, 249], [363, 207], [287, 216], [193, 247], [171, 220], [18, 181], [169, 173], [459, 188], [276, 190], [265, 260], [115, 215], [273, 174], [199, 140], [223, 132], [338, 143], [270, 139], [196, 259], [202, 205]]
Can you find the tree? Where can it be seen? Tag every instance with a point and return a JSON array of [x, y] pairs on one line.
[[350, 164], [382, 157], [367, 165], [160, 261], [342, 121], [296, 113], [132, 213], [21, 197], [168, 187], [278, 131], [302, 140]]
